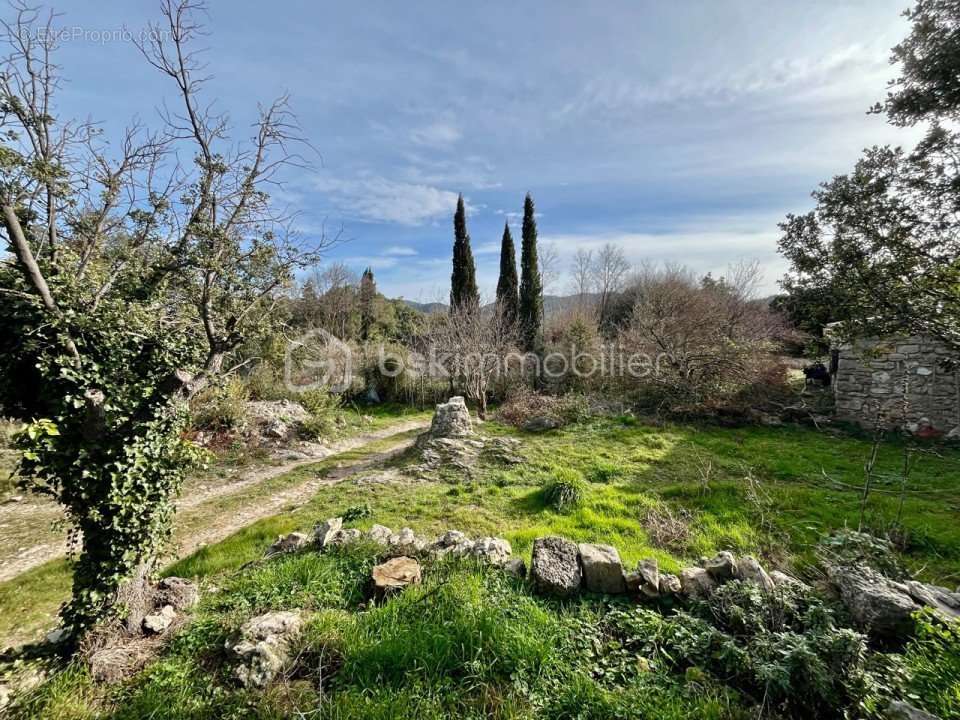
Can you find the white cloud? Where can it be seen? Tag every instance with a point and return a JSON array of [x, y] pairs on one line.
[[436, 135], [400, 250], [378, 199]]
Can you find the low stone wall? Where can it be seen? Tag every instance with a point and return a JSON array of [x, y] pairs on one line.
[[909, 382]]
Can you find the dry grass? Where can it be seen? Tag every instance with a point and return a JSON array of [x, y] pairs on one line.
[[667, 528]]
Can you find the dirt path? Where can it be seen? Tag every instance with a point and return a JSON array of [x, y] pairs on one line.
[[221, 527], [29, 538]]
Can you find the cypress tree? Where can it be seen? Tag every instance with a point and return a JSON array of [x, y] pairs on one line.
[[531, 288], [508, 299], [368, 295], [463, 280]]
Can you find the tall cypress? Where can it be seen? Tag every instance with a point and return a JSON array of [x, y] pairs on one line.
[[508, 299], [463, 280], [368, 295], [531, 287]]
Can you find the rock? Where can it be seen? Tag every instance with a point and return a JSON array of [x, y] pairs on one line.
[[650, 573], [57, 635], [178, 593], [493, 550], [454, 543], [288, 543], [516, 567], [380, 534], [325, 531], [898, 710], [406, 542], [602, 569], [542, 423], [555, 566], [13, 500], [263, 646], [781, 578], [451, 420], [750, 570], [670, 584], [4, 696], [395, 574], [157, 622], [722, 566], [939, 598], [345, 537], [278, 419], [874, 601], [697, 583]]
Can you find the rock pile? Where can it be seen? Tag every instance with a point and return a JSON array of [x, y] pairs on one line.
[[276, 419], [452, 441], [562, 568], [451, 420]]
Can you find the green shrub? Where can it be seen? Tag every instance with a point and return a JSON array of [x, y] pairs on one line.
[[222, 407], [933, 665], [324, 409], [565, 490], [782, 651]]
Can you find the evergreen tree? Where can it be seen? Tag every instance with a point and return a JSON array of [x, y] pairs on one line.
[[531, 288], [463, 281], [368, 296], [508, 299]]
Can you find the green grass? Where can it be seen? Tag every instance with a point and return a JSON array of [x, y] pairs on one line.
[[765, 493], [473, 644]]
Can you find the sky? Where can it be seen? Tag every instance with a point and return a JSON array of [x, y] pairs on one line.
[[681, 131]]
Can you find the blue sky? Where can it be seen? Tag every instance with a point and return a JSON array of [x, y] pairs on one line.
[[682, 131]]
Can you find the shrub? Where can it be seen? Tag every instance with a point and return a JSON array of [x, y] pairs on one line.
[[222, 407], [324, 409], [933, 665], [524, 405], [565, 491]]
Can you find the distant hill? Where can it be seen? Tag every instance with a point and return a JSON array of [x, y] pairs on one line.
[[426, 308], [552, 304]]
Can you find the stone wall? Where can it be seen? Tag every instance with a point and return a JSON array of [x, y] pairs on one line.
[[911, 381]]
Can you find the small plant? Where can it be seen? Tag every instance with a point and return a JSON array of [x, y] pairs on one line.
[[357, 512], [604, 471], [221, 408], [565, 491]]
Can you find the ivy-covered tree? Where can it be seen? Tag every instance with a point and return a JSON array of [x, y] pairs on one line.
[[463, 280], [531, 288], [508, 297], [883, 243], [130, 281]]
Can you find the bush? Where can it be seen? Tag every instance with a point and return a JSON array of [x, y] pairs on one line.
[[222, 407], [781, 651], [565, 491], [524, 405], [933, 665], [324, 409]]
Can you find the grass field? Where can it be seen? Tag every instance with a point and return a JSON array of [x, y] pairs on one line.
[[482, 647]]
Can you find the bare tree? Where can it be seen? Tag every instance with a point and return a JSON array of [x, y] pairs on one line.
[[473, 349], [549, 260], [582, 272], [607, 273]]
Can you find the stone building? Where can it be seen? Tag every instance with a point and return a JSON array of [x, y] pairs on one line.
[[911, 382]]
